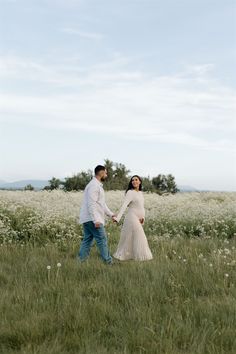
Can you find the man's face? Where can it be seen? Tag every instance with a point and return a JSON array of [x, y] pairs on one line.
[[103, 175]]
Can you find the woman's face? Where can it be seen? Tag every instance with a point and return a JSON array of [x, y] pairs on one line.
[[136, 182]]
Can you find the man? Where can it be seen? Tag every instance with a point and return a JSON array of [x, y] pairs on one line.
[[92, 216]]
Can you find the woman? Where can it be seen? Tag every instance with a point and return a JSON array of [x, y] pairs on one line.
[[133, 242]]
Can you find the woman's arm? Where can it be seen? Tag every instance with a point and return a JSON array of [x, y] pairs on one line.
[[127, 201]]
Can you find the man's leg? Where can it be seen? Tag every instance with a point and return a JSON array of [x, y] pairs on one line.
[[101, 240], [86, 242]]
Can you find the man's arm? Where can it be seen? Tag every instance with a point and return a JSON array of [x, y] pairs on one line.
[[108, 212], [93, 194]]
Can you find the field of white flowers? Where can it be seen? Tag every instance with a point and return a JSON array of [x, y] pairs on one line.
[[52, 216], [181, 302]]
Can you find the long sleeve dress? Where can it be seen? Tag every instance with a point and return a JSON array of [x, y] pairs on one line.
[[133, 243]]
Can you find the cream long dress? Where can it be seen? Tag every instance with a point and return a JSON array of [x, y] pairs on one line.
[[133, 242]]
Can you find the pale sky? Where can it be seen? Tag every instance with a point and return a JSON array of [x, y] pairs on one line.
[[148, 83]]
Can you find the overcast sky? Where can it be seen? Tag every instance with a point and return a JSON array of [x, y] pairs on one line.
[[149, 83]]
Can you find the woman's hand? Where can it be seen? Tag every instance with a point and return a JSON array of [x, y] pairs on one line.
[[141, 221]]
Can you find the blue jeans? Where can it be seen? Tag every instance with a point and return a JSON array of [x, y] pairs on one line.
[[91, 232]]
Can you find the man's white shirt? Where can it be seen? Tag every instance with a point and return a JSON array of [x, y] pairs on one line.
[[94, 207]]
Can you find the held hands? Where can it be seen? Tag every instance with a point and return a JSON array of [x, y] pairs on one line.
[[114, 219], [98, 224]]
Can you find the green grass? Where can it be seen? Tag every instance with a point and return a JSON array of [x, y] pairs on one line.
[[168, 305]]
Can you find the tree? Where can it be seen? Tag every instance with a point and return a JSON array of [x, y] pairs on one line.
[[121, 176], [159, 183], [78, 181], [118, 176], [165, 184], [29, 187], [118, 179], [171, 185], [147, 184], [54, 183], [109, 165]]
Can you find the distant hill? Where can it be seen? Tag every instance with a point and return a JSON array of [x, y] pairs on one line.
[[37, 184], [187, 189]]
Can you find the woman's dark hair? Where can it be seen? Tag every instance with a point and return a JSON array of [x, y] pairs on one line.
[[98, 169], [130, 185]]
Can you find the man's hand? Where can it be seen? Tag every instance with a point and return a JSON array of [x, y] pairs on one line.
[[97, 225], [114, 218], [141, 221]]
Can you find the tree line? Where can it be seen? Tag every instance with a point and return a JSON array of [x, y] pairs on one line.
[[118, 179]]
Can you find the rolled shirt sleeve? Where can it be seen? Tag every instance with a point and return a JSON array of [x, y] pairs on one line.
[[108, 212]]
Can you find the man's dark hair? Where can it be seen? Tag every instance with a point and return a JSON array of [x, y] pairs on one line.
[[98, 169]]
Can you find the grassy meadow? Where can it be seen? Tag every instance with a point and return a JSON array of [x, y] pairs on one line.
[[183, 301]]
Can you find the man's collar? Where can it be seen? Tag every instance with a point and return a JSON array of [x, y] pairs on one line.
[[95, 178]]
